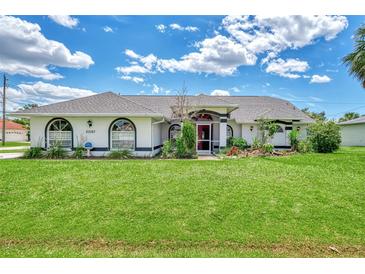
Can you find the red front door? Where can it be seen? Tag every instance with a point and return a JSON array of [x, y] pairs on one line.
[[203, 137]]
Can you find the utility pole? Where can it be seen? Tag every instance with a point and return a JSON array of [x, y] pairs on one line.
[[4, 110]]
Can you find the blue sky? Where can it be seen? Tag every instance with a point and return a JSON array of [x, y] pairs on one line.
[[294, 58]]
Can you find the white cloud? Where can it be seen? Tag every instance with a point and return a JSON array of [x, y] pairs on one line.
[[156, 89], [43, 93], [220, 92], [65, 20], [131, 69], [176, 26], [235, 89], [108, 29], [318, 79], [250, 37], [161, 28], [24, 50], [261, 34], [135, 79], [285, 68]]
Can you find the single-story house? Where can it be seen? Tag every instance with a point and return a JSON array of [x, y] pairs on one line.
[[142, 123], [353, 132], [14, 132]]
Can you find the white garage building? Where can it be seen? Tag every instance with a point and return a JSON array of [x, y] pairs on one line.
[[353, 132], [142, 123]]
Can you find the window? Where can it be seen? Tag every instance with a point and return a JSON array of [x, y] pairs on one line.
[[229, 132], [279, 129], [60, 132], [123, 135], [174, 132]]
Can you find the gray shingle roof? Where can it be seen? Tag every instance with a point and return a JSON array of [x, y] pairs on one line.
[[245, 109], [360, 120], [103, 103]]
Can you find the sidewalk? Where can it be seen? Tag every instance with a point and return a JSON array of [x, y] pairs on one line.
[[14, 148], [11, 155]]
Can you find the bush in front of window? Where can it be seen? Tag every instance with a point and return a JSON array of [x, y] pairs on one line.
[[120, 154], [189, 136], [56, 151], [167, 149], [294, 139], [33, 153]]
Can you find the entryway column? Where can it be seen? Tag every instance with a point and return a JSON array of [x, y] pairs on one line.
[[223, 132]]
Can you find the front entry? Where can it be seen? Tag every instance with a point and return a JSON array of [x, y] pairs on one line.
[[203, 138]]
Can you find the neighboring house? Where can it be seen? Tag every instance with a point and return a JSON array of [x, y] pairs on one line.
[[142, 123], [353, 132], [14, 132]]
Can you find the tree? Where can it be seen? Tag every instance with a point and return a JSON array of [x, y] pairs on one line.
[[349, 116], [267, 129], [318, 116], [29, 106], [180, 109], [355, 61]]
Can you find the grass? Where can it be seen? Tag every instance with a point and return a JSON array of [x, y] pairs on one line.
[[15, 144], [297, 206]]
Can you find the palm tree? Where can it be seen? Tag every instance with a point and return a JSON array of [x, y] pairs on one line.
[[349, 116], [355, 61]]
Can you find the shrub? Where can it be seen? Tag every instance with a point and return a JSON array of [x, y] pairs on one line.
[[189, 136], [268, 148], [56, 151], [304, 146], [230, 141], [324, 136], [167, 149], [33, 152], [120, 154], [294, 139], [240, 143], [256, 144], [180, 147], [79, 152]]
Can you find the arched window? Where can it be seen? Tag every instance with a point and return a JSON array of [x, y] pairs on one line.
[[60, 133], [279, 129], [123, 135], [174, 132], [229, 132]]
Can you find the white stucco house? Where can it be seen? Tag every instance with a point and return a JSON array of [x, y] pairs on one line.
[[353, 132], [142, 123]]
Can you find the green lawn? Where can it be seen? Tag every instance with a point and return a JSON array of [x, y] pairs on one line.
[[14, 144], [295, 206]]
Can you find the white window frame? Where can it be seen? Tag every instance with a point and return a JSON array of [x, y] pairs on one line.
[[120, 134], [60, 135]]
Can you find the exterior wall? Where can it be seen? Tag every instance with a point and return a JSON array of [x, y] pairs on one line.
[[15, 135], [236, 128], [156, 137], [98, 134], [247, 134], [279, 139], [353, 135]]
